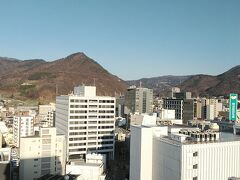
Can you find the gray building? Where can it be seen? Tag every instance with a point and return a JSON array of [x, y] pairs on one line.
[[175, 104], [183, 106], [138, 100]]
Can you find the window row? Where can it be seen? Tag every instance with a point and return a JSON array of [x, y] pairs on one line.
[[78, 139], [79, 100], [78, 128], [77, 144]]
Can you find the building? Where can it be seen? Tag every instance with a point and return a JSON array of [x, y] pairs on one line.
[[174, 91], [188, 110], [5, 157], [174, 104], [210, 112], [183, 154], [93, 168], [41, 154], [22, 127], [138, 100], [183, 95], [184, 108], [141, 145], [143, 119], [167, 114], [88, 122], [197, 109], [211, 108], [46, 115]]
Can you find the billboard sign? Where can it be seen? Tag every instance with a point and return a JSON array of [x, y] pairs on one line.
[[233, 103]]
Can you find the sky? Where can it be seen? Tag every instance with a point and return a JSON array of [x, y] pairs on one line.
[[130, 38]]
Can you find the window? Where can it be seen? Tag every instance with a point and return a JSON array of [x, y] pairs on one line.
[[195, 154], [195, 166]]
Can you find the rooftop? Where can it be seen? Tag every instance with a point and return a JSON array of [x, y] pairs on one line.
[[223, 137]]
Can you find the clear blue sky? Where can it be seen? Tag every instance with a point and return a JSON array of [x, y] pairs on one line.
[[130, 38]]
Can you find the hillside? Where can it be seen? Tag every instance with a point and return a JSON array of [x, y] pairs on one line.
[[40, 80], [159, 84], [206, 85]]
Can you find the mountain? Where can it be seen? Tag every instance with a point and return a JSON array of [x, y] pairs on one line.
[[39, 79], [220, 85], [159, 84]]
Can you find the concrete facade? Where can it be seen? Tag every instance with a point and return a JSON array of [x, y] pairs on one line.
[[138, 100], [183, 157], [88, 122], [22, 127], [42, 154]]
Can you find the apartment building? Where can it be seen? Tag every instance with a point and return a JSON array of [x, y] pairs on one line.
[[22, 127]]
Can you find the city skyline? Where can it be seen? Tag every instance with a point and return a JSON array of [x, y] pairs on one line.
[[130, 39]]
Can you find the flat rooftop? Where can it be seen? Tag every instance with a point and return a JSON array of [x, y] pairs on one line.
[[223, 137]]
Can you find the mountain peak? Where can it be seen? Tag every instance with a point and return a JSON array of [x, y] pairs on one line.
[[63, 73], [77, 55]]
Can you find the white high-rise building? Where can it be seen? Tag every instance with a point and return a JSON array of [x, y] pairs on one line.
[[42, 154], [87, 120], [183, 154], [22, 127]]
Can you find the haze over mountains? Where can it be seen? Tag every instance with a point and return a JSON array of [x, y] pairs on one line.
[[41, 80]]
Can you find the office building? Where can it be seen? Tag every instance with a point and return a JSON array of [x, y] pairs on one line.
[[138, 100], [22, 127], [88, 122], [41, 154], [183, 153], [174, 104], [184, 108]]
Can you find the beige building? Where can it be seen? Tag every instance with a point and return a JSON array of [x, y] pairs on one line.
[[46, 115], [42, 154]]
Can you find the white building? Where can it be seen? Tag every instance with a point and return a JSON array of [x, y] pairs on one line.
[[190, 155], [143, 119], [87, 120], [92, 169], [22, 127], [42, 154], [167, 114]]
